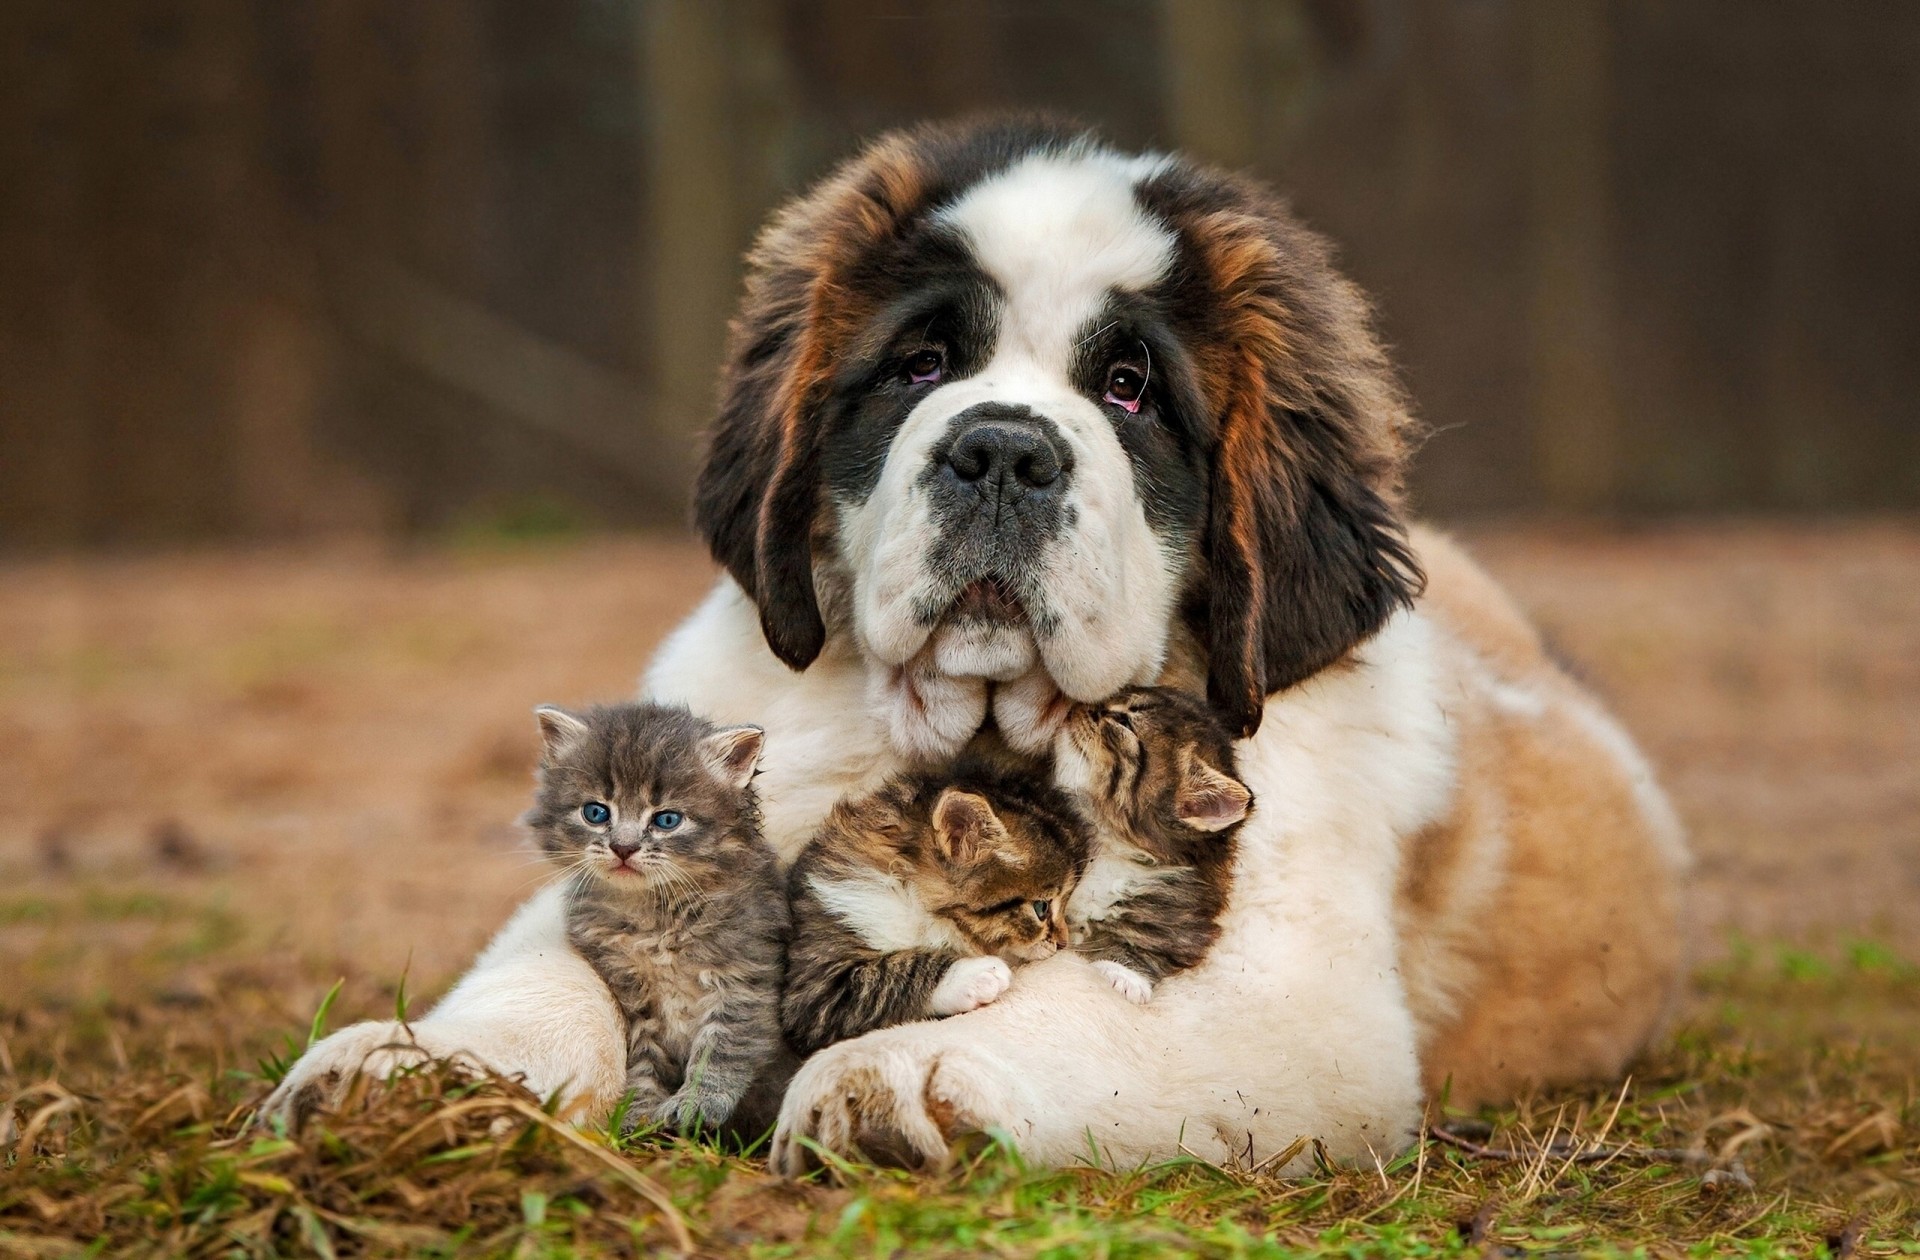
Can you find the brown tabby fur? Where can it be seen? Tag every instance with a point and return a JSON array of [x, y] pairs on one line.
[[977, 865], [1156, 770]]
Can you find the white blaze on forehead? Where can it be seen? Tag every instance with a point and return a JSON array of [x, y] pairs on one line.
[[1057, 232]]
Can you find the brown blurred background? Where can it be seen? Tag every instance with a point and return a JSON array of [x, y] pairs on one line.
[[285, 267], [310, 311]]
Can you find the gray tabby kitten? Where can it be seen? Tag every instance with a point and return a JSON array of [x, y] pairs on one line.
[[674, 898]]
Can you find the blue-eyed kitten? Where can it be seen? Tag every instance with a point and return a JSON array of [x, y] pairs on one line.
[[673, 897]]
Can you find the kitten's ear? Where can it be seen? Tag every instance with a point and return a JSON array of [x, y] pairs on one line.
[[964, 826], [560, 732], [733, 754], [1208, 800]]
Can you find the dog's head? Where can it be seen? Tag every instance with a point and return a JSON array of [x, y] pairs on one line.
[[1004, 396]]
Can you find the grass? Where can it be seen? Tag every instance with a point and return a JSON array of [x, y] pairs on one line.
[[1779, 1119]]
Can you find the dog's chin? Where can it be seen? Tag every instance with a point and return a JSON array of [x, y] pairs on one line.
[[975, 647]]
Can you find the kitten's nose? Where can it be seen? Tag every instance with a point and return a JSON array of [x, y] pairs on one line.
[[624, 849]]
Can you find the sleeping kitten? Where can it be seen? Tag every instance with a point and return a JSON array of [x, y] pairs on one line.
[[1156, 772], [911, 902], [674, 899]]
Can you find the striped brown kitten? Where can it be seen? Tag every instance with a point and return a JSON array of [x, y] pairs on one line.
[[1155, 770], [911, 902], [673, 898]]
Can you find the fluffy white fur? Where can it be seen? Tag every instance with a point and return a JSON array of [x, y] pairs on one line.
[[530, 1007]]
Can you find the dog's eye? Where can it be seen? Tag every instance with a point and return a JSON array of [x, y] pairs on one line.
[[925, 367], [1125, 388]]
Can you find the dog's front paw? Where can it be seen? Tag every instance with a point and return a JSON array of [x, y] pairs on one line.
[[1030, 712], [321, 1077], [970, 984], [900, 1097], [1127, 982], [929, 715]]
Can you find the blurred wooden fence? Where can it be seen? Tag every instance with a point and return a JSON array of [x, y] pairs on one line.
[[283, 266]]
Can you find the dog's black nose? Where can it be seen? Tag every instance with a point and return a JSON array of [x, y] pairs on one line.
[[1007, 452]]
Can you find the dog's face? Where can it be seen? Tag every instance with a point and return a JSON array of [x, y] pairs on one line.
[[1001, 399], [1008, 477]]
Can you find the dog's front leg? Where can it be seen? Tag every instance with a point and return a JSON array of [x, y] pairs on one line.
[[1219, 1063]]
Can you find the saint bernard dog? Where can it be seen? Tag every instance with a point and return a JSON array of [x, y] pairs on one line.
[[1009, 419]]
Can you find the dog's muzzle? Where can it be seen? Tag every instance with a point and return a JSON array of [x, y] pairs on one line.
[[999, 480]]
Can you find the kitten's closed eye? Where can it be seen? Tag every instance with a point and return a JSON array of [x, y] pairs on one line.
[[1020, 905]]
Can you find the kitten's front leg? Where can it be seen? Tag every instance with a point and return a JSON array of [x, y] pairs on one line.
[[1128, 982], [740, 1036], [830, 999], [647, 1068], [969, 985], [1146, 937]]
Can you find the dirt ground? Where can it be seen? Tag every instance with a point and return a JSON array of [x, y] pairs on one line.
[[319, 755]]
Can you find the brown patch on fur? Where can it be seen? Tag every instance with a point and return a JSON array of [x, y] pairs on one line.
[[944, 1114], [1539, 921], [1461, 594]]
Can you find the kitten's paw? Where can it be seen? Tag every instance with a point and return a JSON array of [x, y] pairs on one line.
[[969, 984], [1127, 982], [641, 1109], [691, 1112]]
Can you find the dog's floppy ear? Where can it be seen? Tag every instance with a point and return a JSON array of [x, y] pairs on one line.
[[1306, 552], [758, 493]]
